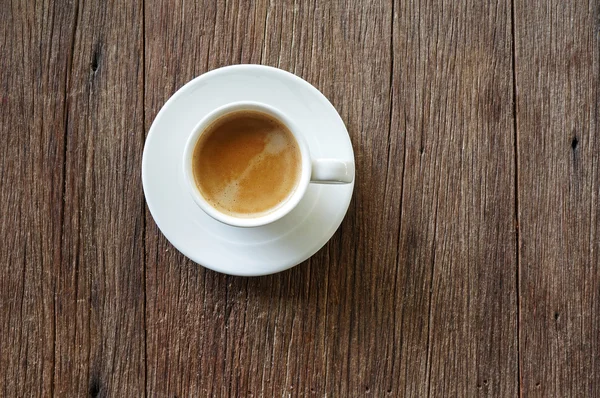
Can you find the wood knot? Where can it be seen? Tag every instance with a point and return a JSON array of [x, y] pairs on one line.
[[95, 64], [94, 388], [574, 143]]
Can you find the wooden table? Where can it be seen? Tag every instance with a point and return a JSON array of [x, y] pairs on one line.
[[468, 263]]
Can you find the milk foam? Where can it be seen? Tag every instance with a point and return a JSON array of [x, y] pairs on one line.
[[229, 195]]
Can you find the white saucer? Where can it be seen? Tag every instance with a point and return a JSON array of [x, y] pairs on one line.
[[244, 251]]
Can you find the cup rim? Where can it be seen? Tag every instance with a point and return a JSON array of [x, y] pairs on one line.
[[284, 208]]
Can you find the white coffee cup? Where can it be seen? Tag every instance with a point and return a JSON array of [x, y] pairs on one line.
[[320, 171]]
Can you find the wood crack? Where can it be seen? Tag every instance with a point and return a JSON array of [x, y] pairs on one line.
[[516, 191]]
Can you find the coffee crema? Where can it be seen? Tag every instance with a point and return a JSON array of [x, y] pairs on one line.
[[246, 164]]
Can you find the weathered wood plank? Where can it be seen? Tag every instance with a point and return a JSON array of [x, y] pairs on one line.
[[456, 301], [35, 50], [326, 325], [100, 347], [558, 90]]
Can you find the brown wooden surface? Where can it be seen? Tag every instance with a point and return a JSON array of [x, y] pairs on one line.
[[467, 264], [558, 122]]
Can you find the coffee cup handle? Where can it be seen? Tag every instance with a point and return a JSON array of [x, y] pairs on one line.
[[332, 171]]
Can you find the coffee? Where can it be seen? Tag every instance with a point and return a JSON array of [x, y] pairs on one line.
[[246, 164]]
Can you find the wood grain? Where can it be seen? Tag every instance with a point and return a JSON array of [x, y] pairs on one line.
[[35, 43], [557, 58], [455, 305], [100, 330]]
